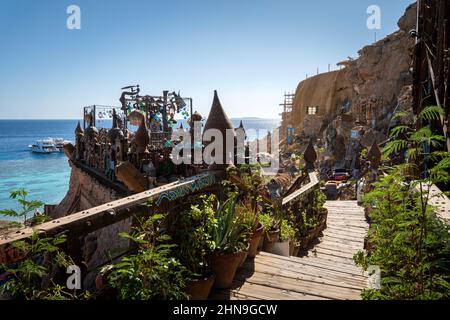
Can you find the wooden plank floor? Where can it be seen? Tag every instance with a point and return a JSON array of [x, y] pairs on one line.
[[327, 272]]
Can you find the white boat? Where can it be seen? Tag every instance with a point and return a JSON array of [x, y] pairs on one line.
[[59, 143], [44, 146]]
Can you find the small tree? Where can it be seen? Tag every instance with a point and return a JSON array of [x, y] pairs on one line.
[[27, 206]]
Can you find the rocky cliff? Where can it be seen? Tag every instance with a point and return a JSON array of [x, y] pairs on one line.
[[359, 100]]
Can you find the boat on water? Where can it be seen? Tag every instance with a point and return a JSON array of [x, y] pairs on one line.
[[60, 142], [49, 145]]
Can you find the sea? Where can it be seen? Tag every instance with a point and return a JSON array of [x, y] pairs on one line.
[[46, 176]]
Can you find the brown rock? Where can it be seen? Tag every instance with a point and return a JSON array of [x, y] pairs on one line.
[[131, 177]]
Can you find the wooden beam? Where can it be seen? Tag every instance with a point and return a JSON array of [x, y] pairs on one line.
[[109, 213]]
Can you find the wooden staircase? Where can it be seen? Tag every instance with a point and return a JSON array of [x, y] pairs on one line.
[[327, 272]]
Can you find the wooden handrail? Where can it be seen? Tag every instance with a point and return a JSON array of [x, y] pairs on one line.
[[114, 211], [307, 188]]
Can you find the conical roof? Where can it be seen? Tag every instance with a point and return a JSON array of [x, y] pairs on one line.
[[115, 131], [310, 154], [91, 131], [78, 129], [142, 139], [217, 118], [374, 154]]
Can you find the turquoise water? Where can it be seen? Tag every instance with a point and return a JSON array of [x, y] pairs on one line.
[[46, 176]]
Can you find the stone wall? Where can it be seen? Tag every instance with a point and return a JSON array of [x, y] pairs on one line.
[[84, 193]]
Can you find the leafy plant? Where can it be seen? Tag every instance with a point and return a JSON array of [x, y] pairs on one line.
[[287, 231], [410, 244], [247, 217], [27, 206], [152, 272], [307, 223], [33, 276], [38, 261], [267, 221], [193, 236], [251, 177], [228, 235]]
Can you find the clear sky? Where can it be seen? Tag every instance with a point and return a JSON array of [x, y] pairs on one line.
[[251, 51]]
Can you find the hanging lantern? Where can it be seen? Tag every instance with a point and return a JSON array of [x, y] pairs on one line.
[[135, 117]]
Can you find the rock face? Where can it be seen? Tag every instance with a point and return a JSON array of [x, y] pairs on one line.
[[359, 100]]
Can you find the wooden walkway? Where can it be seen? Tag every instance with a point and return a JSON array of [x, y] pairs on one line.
[[327, 272]]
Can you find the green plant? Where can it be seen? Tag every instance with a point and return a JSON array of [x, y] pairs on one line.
[[228, 234], [38, 260], [250, 184], [307, 223], [287, 231], [33, 276], [192, 234], [319, 199], [27, 206], [247, 218], [411, 252], [152, 272], [410, 244], [268, 221]]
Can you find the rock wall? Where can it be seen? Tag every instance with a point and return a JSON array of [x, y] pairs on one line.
[[361, 97], [84, 192]]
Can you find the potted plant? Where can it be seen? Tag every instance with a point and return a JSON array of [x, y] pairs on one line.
[[151, 272], [249, 219], [271, 231], [249, 181], [255, 239], [287, 232], [250, 223], [191, 229], [228, 240]]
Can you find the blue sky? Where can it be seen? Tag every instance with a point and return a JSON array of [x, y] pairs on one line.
[[251, 51]]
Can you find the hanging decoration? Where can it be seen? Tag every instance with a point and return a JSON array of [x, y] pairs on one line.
[[135, 117]]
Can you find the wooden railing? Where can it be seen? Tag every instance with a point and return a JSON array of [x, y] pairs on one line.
[[99, 217], [312, 185]]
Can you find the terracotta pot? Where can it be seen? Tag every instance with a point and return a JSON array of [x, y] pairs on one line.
[[224, 267], [281, 248], [255, 240], [304, 242], [269, 240], [296, 251], [261, 242], [199, 289], [244, 255], [291, 249]]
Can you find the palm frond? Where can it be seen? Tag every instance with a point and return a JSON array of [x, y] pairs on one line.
[[395, 146], [431, 113], [395, 132]]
